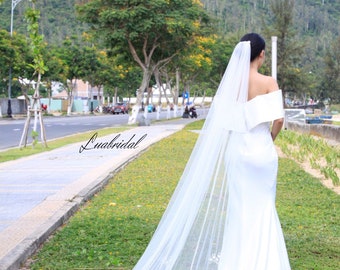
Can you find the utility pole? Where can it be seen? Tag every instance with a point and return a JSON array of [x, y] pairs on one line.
[[274, 57], [9, 109]]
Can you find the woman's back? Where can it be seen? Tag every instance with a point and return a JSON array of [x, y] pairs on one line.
[[260, 84]]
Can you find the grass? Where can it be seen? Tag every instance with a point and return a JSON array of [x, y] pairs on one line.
[[335, 107], [309, 214], [112, 230], [320, 155]]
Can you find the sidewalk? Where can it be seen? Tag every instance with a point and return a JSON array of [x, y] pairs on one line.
[[39, 193]]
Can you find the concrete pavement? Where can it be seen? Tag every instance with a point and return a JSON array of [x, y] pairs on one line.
[[39, 193]]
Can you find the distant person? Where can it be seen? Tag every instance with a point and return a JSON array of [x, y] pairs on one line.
[[222, 214], [192, 112], [186, 112], [43, 107]]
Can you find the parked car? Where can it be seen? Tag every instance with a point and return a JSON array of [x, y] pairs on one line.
[[120, 107]]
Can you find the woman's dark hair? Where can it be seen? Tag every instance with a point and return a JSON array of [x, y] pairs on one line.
[[257, 44]]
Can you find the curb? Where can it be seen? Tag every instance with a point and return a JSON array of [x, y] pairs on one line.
[[31, 244], [15, 259]]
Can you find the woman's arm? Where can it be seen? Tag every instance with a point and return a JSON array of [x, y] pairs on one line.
[[276, 128]]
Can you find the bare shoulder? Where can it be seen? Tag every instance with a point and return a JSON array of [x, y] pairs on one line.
[[271, 84], [260, 84]]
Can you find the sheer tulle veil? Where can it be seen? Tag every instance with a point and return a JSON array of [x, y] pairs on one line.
[[190, 233]]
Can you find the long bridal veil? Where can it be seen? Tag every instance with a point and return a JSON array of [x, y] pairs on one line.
[[190, 233]]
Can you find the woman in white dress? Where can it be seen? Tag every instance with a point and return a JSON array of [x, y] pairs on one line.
[[222, 214]]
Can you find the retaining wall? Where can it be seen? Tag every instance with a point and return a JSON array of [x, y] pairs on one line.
[[18, 106], [331, 132]]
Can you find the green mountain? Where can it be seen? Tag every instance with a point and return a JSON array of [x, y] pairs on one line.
[[58, 18], [311, 17], [317, 21]]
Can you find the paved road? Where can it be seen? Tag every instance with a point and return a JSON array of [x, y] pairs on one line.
[[56, 127]]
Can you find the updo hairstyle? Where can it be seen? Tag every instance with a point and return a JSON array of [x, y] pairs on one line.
[[257, 44]]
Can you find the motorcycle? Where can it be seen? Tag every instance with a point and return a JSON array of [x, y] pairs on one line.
[[192, 112]]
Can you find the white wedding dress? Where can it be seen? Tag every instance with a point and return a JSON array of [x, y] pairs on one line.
[[253, 235], [222, 215]]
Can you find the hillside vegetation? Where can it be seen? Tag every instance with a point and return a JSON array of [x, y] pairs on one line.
[[58, 18], [316, 21]]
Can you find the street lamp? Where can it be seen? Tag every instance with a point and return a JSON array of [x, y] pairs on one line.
[[14, 4], [9, 109]]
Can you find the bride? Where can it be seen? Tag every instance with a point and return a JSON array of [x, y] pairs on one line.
[[222, 214]]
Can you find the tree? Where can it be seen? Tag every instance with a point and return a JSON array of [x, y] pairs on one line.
[[289, 50], [153, 31], [92, 66], [106, 69], [330, 85], [221, 53], [120, 76], [38, 65], [198, 64], [14, 52], [7, 53], [71, 55], [55, 70]]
